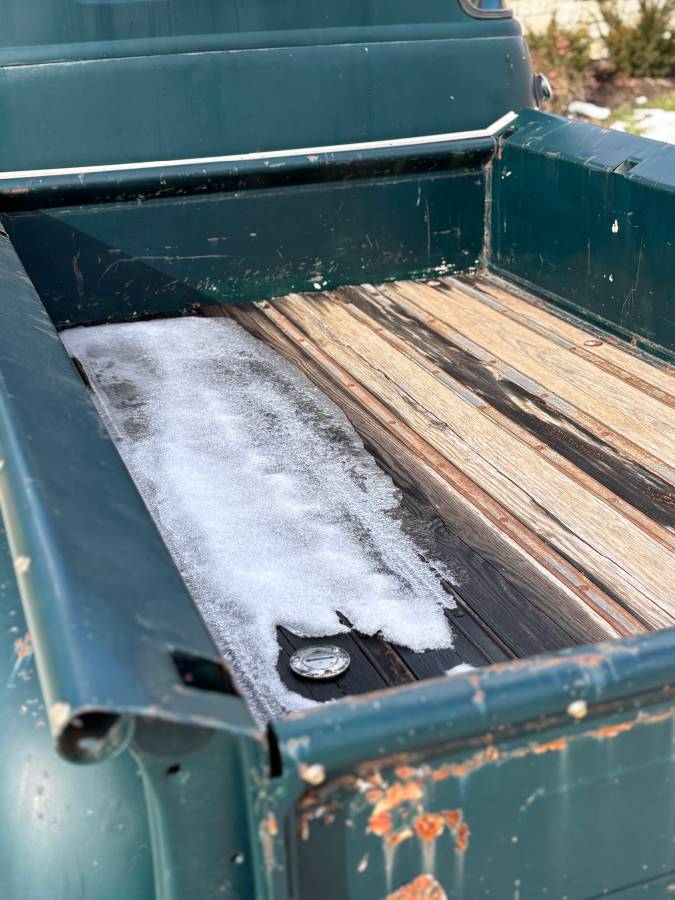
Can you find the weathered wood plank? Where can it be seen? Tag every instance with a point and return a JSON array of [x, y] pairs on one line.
[[546, 400], [568, 597], [382, 655], [467, 627], [652, 378], [498, 591], [501, 618], [641, 419], [388, 666], [578, 524], [611, 474]]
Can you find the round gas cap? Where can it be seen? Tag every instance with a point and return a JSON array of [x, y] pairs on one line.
[[320, 662]]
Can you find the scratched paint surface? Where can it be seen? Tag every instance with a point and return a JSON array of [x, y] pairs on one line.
[[62, 818], [102, 261], [554, 814], [587, 217]]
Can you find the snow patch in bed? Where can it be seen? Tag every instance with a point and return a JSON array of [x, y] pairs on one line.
[[459, 669], [271, 507]]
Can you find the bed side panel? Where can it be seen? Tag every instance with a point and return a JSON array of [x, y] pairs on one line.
[[586, 217], [550, 776]]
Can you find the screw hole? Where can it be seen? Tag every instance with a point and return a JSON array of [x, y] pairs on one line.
[[173, 770]]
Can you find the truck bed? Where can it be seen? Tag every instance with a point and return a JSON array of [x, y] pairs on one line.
[[561, 437], [532, 452]]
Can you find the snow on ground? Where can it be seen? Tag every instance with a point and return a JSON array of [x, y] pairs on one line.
[[658, 124], [271, 507]]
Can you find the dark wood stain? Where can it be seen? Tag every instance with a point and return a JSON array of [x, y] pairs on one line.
[[625, 477], [496, 618], [508, 604]]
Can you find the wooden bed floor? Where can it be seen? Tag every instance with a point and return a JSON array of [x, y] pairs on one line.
[[541, 454]]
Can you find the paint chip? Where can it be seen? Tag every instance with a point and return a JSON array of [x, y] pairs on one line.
[[59, 715], [424, 887], [578, 709], [23, 647], [21, 565], [313, 774]]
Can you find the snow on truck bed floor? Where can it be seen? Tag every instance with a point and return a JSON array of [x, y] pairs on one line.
[[271, 507]]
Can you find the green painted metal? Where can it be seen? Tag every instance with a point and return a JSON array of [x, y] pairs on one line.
[[126, 666], [78, 187], [111, 620], [200, 786], [585, 217], [553, 804], [133, 826], [189, 800], [56, 28], [648, 890], [302, 226], [108, 81], [65, 827]]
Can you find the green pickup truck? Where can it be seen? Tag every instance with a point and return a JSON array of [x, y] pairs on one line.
[[337, 454]]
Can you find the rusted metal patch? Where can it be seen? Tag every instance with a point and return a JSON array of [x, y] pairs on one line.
[[23, 647], [395, 839], [611, 731], [272, 826], [269, 829], [462, 837], [396, 794], [381, 821], [428, 826], [380, 824], [424, 887], [23, 653], [556, 745], [393, 808], [398, 811], [551, 746], [407, 793]]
